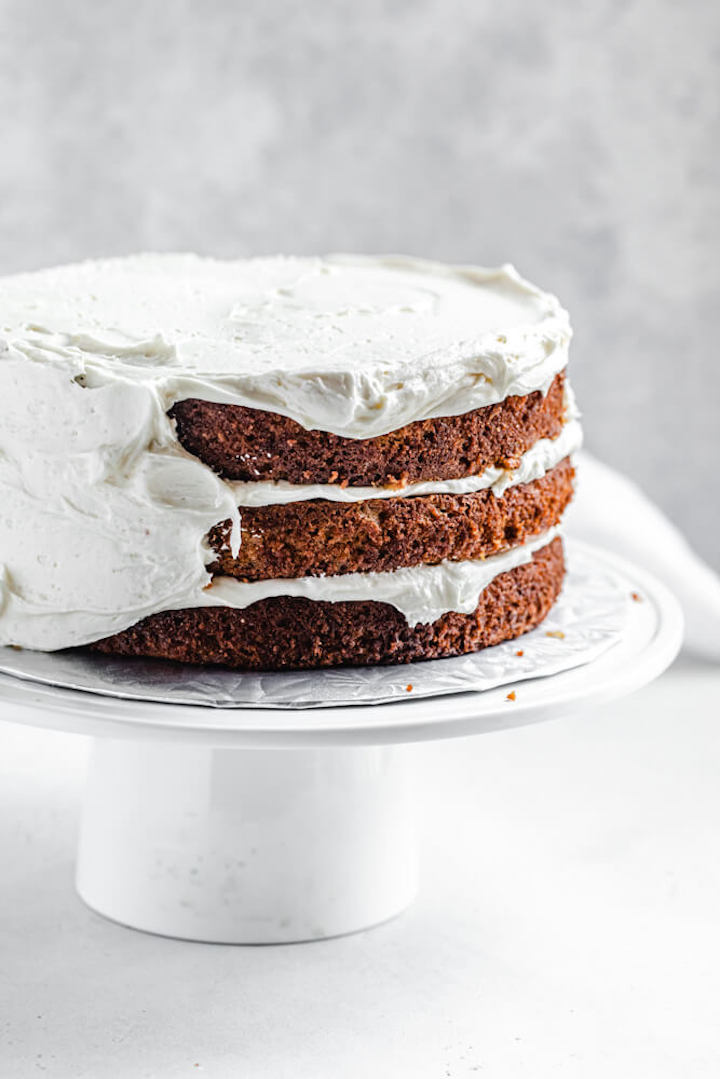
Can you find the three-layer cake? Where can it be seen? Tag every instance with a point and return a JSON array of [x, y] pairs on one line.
[[280, 463]]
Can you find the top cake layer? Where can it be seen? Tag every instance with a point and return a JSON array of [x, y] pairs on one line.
[[354, 345]]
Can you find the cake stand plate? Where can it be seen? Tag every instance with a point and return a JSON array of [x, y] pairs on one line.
[[267, 826]]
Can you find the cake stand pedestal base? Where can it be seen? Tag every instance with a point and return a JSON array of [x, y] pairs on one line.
[[247, 845]]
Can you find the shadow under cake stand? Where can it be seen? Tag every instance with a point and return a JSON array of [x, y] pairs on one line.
[[255, 825]]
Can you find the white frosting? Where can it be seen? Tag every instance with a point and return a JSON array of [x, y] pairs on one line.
[[422, 593], [539, 459], [355, 345], [103, 515]]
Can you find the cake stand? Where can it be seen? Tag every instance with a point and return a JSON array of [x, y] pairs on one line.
[[248, 825]]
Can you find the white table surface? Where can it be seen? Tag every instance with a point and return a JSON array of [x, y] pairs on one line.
[[568, 924]]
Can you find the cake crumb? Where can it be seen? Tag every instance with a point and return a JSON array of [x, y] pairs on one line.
[[510, 696], [558, 633], [636, 596], [520, 652], [409, 688]]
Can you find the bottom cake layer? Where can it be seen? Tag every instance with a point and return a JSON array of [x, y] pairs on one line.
[[291, 633]]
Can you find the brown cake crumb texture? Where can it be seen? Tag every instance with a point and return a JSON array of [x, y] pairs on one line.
[[288, 632], [319, 537], [247, 444]]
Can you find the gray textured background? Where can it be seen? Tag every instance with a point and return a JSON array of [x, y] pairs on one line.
[[579, 140]]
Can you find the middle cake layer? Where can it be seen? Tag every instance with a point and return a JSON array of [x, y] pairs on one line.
[[320, 537]]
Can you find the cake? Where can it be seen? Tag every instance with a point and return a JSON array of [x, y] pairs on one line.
[[280, 463]]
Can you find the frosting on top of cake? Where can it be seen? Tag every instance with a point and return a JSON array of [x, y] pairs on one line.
[[356, 345]]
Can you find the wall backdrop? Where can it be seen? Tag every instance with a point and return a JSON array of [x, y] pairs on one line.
[[579, 140]]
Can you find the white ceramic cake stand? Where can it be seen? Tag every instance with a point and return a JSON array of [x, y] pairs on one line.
[[262, 826]]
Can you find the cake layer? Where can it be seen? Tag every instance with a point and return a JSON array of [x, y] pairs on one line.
[[291, 632], [420, 593], [321, 537], [247, 444], [542, 456]]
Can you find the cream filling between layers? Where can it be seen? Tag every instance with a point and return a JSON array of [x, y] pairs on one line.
[[535, 463], [421, 593]]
